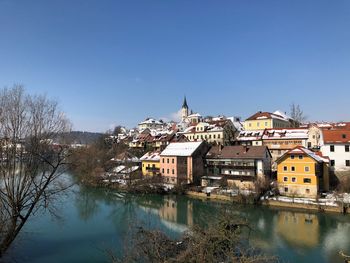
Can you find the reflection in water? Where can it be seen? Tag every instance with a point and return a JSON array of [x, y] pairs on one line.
[[177, 212], [294, 236], [298, 229]]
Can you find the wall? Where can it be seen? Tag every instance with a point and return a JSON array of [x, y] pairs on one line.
[[339, 156], [297, 188]]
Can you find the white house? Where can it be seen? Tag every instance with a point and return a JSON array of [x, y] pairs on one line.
[[336, 145]]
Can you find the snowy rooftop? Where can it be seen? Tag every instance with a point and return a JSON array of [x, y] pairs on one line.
[[303, 150], [151, 156], [285, 134], [181, 149]]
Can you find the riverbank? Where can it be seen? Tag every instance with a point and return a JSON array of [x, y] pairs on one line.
[[320, 207]]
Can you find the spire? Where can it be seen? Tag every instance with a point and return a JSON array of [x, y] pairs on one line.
[[184, 105]]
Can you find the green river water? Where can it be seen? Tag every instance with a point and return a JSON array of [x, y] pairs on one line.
[[93, 220]]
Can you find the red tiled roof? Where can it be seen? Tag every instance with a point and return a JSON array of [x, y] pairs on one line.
[[336, 136]]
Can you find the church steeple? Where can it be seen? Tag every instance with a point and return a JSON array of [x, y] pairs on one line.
[[184, 110], [184, 105]]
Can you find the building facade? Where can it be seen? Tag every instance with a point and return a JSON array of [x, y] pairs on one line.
[[239, 166], [302, 173], [336, 145], [266, 120], [150, 164], [182, 162], [221, 132]]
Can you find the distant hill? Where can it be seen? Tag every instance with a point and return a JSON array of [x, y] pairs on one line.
[[79, 137]]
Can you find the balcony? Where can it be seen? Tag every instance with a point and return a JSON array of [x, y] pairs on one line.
[[153, 169]]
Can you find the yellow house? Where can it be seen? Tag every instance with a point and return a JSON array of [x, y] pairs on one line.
[[150, 164], [266, 120], [302, 173]]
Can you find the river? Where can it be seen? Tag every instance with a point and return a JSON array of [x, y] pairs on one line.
[[95, 220]]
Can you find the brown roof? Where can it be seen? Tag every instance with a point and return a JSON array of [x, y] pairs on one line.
[[266, 114], [237, 152], [336, 136]]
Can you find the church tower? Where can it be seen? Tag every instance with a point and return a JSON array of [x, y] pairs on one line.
[[184, 110]]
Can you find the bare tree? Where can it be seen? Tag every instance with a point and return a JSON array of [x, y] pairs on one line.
[[297, 115], [30, 164]]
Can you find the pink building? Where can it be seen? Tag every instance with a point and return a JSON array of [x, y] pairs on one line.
[[183, 162]]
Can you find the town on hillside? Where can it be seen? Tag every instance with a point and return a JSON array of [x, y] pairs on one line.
[[301, 160]]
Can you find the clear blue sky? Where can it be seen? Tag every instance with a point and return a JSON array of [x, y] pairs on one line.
[[118, 62]]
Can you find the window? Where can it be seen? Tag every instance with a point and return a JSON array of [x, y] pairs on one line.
[[294, 179], [265, 123], [163, 160], [347, 148], [153, 165], [286, 189], [173, 171], [292, 156], [172, 160], [331, 148], [285, 168], [307, 169], [167, 171], [214, 136], [279, 152], [285, 179], [313, 137], [250, 125], [343, 136], [163, 170], [347, 162], [143, 165], [218, 136], [167, 160], [258, 124], [292, 168], [307, 191], [332, 162], [300, 157], [307, 180]]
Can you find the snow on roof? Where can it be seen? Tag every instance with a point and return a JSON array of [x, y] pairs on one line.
[[151, 121], [194, 115], [130, 170], [118, 169], [151, 156], [281, 113], [301, 150], [285, 134], [181, 149]]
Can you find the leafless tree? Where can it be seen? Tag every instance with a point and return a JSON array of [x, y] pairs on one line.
[[30, 164], [222, 240], [297, 115]]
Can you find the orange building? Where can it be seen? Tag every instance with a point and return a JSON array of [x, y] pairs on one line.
[[303, 173]]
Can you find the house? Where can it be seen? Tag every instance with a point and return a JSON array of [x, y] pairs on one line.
[[281, 140], [150, 163], [151, 123], [302, 173], [221, 132], [266, 120], [162, 140], [336, 145], [250, 138], [142, 140], [182, 162], [239, 166]]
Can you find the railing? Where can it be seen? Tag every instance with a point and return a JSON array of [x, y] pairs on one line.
[[152, 169]]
